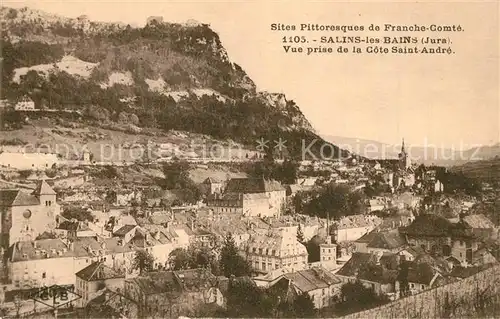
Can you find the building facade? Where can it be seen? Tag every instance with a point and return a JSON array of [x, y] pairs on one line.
[[252, 197], [24, 215]]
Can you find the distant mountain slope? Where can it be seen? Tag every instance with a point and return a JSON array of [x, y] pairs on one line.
[[426, 155], [485, 170], [166, 76]]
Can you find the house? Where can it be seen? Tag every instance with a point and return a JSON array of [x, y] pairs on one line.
[[115, 303], [390, 241], [41, 263], [293, 189], [95, 277], [250, 197], [25, 104], [126, 232], [438, 236], [377, 204], [406, 200], [420, 277], [73, 229], [481, 225], [125, 198], [321, 285], [174, 293], [350, 228], [211, 186], [273, 250], [411, 253], [27, 215], [377, 271]]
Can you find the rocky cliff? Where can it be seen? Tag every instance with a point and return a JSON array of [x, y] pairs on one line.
[[163, 75]]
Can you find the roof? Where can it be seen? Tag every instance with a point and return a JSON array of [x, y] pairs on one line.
[[478, 221], [357, 221], [73, 225], [43, 188], [370, 267], [464, 272], [414, 250], [15, 197], [387, 240], [429, 225], [40, 249], [175, 282], [124, 230], [98, 271], [312, 279], [277, 244], [252, 185]]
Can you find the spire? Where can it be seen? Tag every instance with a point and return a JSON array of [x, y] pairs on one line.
[[403, 146], [43, 189]]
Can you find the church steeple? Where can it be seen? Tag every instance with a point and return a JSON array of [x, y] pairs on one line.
[[403, 146]]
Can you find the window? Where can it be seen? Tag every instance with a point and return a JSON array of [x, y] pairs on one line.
[[422, 286], [412, 285]]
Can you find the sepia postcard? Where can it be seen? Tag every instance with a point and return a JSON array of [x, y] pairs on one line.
[[249, 159]]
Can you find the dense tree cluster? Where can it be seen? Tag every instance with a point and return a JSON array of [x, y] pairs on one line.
[[286, 172], [177, 178], [78, 213], [332, 200]]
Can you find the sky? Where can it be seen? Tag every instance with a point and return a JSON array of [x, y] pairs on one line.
[[443, 100]]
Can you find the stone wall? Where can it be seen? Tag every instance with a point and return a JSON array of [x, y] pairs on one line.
[[475, 296]]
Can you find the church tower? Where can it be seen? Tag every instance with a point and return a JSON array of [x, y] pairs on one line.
[[328, 249], [404, 159]]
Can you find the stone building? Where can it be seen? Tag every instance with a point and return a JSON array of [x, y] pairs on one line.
[[250, 197], [24, 215], [274, 250]]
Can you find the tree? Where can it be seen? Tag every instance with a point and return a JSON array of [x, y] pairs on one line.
[[179, 259], [403, 278], [111, 197], [335, 200], [245, 299], [303, 306], [143, 261], [313, 249], [78, 213], [288, 172], [300, 234], [357, 297], [231, 262]]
